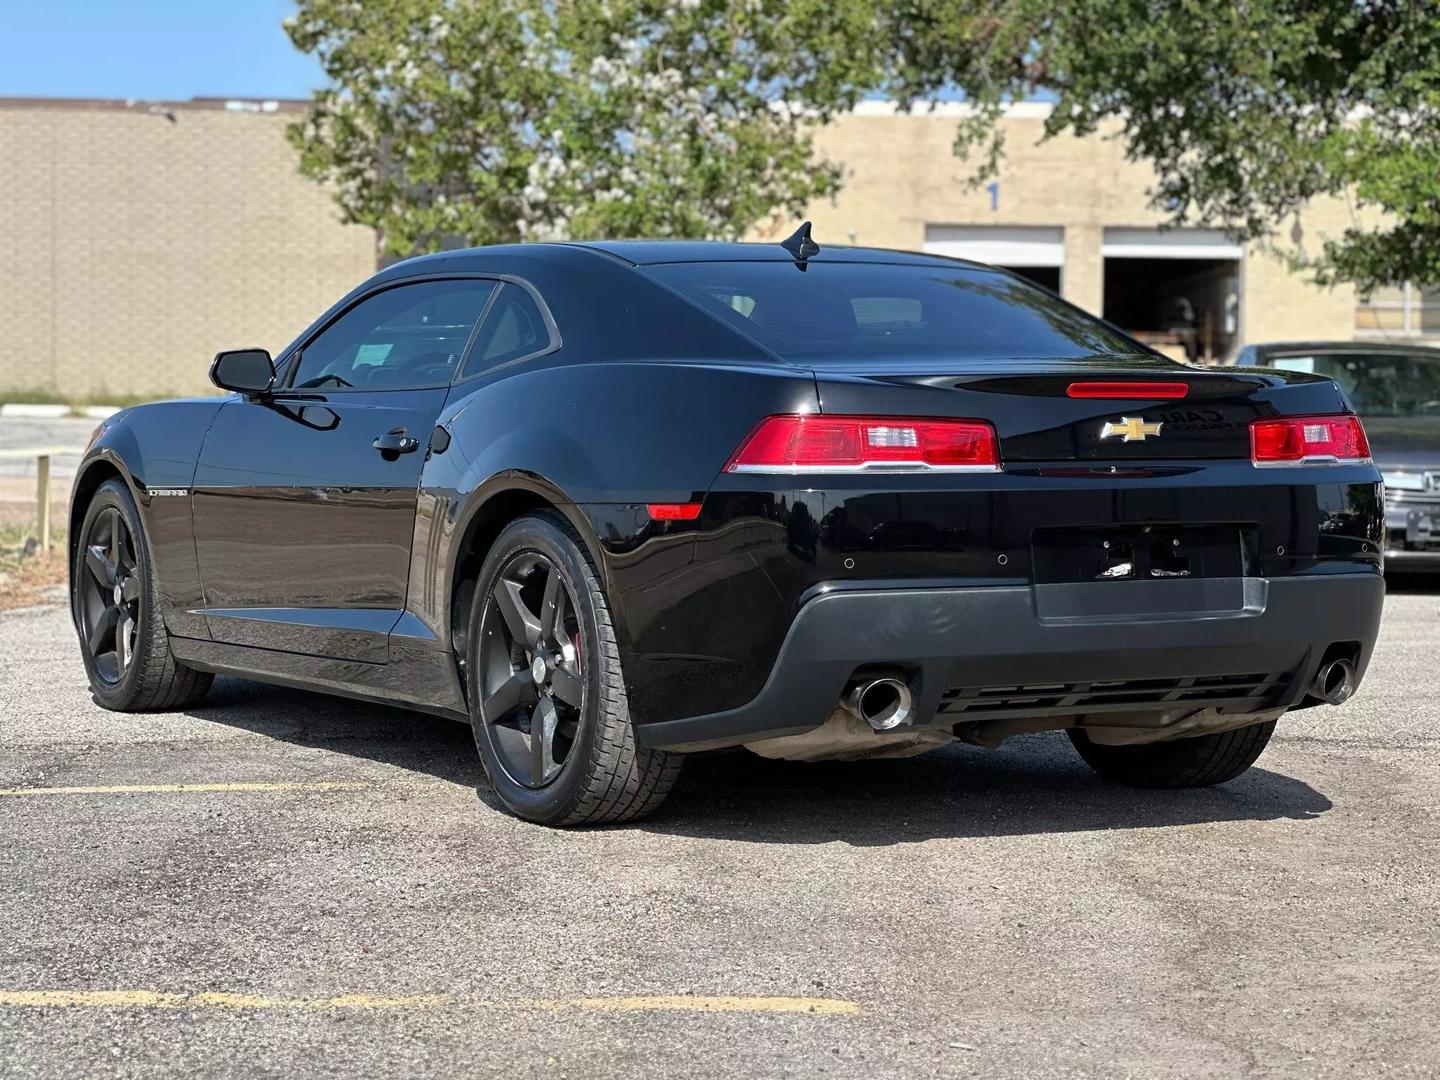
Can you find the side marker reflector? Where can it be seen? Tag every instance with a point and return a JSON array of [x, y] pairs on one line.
[[673, 511]]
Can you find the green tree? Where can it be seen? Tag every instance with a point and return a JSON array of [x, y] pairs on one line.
[[1246, 110], [485, 121]]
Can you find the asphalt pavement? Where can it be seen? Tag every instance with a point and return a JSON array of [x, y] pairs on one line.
[[282, 884]]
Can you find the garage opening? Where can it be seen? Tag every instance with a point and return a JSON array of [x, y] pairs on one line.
[[1034, 252], [1046, 276], [1177, 291]]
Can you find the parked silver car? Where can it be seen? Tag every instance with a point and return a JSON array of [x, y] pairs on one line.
[[1396, 390]]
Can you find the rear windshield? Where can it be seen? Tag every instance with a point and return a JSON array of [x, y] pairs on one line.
[[840, 310], [1378, 384]]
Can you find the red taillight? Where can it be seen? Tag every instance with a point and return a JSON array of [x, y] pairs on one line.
[[1308, 438], [673, 511], [881, 443], [1135, 390]]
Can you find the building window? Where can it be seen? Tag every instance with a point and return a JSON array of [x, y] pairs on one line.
[[1398, 311]]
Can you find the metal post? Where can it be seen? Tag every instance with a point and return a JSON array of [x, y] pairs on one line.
[[42, 498]]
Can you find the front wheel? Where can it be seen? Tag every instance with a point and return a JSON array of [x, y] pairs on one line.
[[112, 594], [550, 713], [1199, 761]]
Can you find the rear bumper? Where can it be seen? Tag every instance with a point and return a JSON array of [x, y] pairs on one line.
[[1243, 644]]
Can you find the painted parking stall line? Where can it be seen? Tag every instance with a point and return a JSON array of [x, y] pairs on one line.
[[221, 1000], [170, 789], [689, 1003]]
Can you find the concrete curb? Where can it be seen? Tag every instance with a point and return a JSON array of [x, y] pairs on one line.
[[38, 412], [57, 412]]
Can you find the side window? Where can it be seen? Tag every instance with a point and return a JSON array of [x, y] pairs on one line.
[[404, 338], [513, 328]]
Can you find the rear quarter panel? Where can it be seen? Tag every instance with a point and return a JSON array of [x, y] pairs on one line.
[[600, 441]]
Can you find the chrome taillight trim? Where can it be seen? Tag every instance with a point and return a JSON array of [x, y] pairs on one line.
[[1312, 459], [865, 467]]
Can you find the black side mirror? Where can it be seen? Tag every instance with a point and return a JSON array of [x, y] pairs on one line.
[[250, 371]]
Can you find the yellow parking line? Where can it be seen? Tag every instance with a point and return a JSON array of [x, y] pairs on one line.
[[207, 999], [165, 789], [691, 1003], [162, 999], [218, 1000]]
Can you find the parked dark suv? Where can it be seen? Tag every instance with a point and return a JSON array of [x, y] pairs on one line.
[[1396, 391]]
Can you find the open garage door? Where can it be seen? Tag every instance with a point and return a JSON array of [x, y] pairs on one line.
[[1177, 290], [1035, 252]]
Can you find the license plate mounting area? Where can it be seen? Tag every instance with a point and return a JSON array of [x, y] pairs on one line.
[[1152, 552]]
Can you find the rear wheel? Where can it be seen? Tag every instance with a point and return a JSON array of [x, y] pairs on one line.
[[1179, 763], [123, 641], [551, 718]]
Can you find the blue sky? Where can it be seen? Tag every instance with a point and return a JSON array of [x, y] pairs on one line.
[[171, 49]]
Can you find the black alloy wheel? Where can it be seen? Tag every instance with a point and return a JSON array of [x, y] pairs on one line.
[[550, 710], [123, 640], [531, 669], [109, 589]]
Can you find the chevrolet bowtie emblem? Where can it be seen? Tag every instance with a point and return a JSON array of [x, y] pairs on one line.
[[1130, 429]]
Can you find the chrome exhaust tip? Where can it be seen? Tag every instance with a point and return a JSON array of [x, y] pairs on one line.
[[882, 703], [1334, 682]]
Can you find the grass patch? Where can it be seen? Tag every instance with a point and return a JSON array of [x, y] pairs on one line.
[[26, 572]]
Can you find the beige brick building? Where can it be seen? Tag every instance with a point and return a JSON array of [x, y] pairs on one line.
[[140, 238], [1073, 213]]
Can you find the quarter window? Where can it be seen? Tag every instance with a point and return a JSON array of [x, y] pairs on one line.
[[514, 328], [406, 338]]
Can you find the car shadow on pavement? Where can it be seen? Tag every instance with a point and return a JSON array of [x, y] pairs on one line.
[[1033, 784], [1420, 584], [400, 738]]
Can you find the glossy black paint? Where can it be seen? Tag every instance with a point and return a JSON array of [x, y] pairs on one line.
[[974, 654], [295, 550], [154, 448], [297, 512], [712, 631]]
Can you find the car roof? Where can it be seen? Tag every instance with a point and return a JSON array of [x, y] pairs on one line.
[[652, 252], [1271, 348], [656, 252]]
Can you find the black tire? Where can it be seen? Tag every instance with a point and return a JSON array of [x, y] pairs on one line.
[[145, 676], [605, 776], [1180, 763]]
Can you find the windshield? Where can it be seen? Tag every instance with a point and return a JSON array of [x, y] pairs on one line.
[[1378, 384], [857, 310]]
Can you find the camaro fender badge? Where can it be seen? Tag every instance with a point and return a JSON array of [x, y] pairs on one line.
[[163, 492], [1130, 429]]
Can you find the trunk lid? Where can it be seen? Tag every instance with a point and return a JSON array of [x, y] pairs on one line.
[[1037, 420]]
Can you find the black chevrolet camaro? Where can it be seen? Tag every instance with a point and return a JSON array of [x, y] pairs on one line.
[[611, 503]]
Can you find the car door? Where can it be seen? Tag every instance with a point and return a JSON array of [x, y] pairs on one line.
[[304, 499]]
